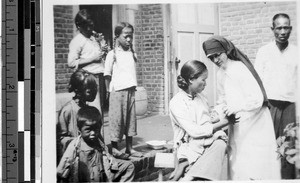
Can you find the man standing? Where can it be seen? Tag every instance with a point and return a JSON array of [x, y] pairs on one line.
[[276, 64]]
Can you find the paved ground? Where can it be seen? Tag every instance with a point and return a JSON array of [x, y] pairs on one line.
[[152, 127]]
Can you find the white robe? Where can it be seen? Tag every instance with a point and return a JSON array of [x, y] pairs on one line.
[[252, 145]]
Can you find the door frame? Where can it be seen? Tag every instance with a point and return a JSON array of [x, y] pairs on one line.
[[171, 47]]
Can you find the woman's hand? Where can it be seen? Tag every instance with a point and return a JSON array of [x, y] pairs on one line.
[[232, 114], [228, 111], [221, 124]]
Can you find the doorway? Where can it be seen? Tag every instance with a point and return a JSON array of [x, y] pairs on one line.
[[102, 16], [191, 25]]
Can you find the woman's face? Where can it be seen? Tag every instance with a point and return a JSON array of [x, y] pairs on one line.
[[220, 59], [197, 85]]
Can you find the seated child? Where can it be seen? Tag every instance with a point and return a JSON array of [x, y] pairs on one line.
[[86, 158], [84, 86]]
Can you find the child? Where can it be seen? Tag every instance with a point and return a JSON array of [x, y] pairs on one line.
[[87, 159], [84, 86], [87, 52], [120, 79]]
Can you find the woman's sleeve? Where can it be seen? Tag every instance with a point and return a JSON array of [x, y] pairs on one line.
[[253, 97], [220, 90], [181, 117]]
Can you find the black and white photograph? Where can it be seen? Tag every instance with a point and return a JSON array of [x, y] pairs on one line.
[[167, 90]]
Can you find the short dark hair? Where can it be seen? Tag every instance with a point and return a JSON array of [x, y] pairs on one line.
[[278, 15], [88, 112], [82, 18], [80, 80]]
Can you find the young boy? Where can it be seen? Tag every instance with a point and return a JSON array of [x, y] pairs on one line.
[[87, 159]]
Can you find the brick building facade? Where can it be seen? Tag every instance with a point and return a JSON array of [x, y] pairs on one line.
[[246, 24]]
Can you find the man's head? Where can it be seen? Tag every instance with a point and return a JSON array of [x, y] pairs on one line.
[[281, 27]]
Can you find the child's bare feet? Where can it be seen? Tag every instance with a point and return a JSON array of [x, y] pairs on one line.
[[134, 153], [119, 155]]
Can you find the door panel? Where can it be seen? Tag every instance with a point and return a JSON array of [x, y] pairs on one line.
[[191, 25], [186, 45], [186, 14]]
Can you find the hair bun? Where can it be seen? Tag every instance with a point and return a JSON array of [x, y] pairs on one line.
[[181, 82]]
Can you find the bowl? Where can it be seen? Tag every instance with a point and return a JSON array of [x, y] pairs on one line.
[[156, 144]]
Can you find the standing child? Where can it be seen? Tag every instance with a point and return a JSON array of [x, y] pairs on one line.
[[86, 51], [84, 86], [120, 79], [87, 159]]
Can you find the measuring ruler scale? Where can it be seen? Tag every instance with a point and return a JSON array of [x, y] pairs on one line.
[[20, 89], [10, 150]]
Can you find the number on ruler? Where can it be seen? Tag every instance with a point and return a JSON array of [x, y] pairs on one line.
[[11, 86], [11, 145], [15, 158], [37, 28], [11, 1]]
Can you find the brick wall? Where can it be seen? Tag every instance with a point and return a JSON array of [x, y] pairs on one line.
[[63, 30], [149, 47], [247, 25]]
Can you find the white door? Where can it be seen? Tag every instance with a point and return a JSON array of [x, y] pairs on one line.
[[191, 25]]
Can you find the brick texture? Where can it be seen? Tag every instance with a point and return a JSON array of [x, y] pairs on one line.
[[149, 47], [247, 25], [63, 30], [144, 167]]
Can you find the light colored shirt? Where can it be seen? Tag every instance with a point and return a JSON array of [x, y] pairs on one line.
[[278, 71], [122, 70], [83, 48], [190, 119]]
